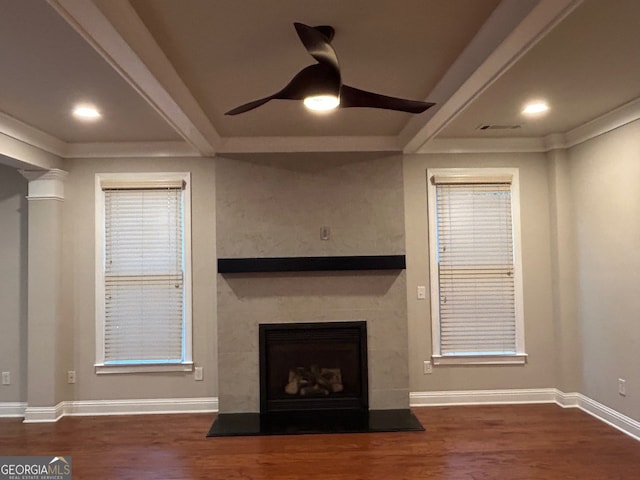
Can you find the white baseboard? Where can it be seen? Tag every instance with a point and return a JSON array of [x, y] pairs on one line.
[[12, 409], [568, 400], [482, 397], [603, 413], [140, 407], [44, 414], [541, 395], [120, 407]]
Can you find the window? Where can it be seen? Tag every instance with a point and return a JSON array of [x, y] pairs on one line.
[[475, 266], [143, 273]]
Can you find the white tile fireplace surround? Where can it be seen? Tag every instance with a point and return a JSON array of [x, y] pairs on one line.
[[247, 300]]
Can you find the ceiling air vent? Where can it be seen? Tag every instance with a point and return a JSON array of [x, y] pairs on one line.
[[498, 127]]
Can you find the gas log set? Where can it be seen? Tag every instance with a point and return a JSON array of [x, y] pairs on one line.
[[314, 380]]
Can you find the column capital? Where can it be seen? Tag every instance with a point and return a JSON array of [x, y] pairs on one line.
[[45, 184]]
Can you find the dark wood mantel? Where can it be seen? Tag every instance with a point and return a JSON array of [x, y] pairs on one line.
[[311, 264]]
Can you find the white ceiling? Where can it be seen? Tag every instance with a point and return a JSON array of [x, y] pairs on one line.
[[584, 68], [47, 67], [164, 72], [244, 51]]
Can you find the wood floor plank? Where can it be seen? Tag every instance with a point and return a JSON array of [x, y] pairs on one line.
[[514, 442]]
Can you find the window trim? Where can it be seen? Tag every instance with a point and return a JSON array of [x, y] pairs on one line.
[[149, 179], [476, 175]]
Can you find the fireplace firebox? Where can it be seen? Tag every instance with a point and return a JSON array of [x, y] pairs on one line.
[[313, 366]]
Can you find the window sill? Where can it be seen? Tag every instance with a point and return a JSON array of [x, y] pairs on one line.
[[132, 368], [517, 359]]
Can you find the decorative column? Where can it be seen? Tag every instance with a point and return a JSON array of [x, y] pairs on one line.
[[45, 199]]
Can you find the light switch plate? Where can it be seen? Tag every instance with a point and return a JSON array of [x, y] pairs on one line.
[[427, 367], [622, 387]]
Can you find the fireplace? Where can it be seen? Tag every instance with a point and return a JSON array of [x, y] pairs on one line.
[[313, 366], [314, 378]]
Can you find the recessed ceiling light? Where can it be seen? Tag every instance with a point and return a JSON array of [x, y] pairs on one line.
[[86, 112], [535, 108], [321, 103]]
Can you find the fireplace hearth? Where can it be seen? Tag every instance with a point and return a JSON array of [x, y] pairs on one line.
[[313, 366]]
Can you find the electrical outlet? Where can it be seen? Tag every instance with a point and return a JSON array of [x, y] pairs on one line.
[[198, 374], [427, 369], [422, 292], [71, 376], [6, 378], [622, 387]]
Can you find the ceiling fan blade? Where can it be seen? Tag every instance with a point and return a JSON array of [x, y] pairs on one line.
[[250, 106], [323, 78], [354, 97], [316, 79], [317, 43]]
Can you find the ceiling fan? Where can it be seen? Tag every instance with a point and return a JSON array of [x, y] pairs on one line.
[[320, 85]]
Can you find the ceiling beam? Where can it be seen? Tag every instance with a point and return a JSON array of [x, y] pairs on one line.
[[22, 146], [17, 154], [115, 31], [524, 25]]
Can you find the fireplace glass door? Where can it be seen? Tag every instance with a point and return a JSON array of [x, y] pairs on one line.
[[313, 366]]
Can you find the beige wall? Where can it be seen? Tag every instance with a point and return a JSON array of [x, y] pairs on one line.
[[78, 258], [540, 370], [13, 283], [580, 237], [604, 174], [567, 329]]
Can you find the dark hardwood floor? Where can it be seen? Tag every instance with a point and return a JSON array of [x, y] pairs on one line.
[[475, 443]]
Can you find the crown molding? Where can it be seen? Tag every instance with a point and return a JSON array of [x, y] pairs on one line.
[[131, 150], [232, 145], [554, 141], [618, 117], [484, 145]]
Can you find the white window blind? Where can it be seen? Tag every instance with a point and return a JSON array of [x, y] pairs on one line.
[[143, 275], [475, 267]]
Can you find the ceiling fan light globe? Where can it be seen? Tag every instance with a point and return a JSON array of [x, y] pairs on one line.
[[321, 103]]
